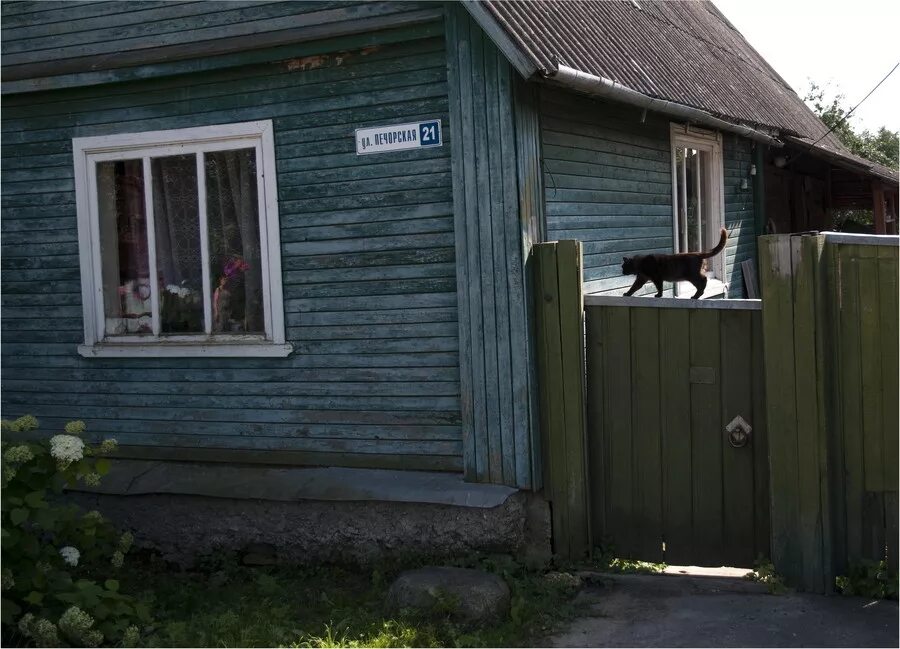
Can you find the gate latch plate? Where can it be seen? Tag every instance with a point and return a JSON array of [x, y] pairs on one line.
[[738, 432]]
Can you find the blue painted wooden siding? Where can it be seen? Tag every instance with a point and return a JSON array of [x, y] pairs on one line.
[[367, 253], [83, 43], [495, 356], [608, 183], [737, 153]]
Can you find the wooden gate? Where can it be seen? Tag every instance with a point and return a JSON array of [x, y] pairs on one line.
[[674, 475]]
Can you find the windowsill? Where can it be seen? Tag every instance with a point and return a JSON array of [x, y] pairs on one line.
[[714, 288], [185, 350]]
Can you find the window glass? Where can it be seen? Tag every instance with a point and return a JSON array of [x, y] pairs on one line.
[[178, 244], [179, 265], [693, 168], [234, 247], [125, 269]]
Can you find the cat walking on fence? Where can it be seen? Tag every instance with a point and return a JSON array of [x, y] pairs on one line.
[[680, 267]]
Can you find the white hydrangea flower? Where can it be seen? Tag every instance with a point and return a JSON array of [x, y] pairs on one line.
[[118, 559], [7, 579], [108, 445], [125, 541], [75, 427], [66, 449], [132, 637], [92, 479], [25, 624], [70, 555], [44, 633], [76, 624], [18, 454], [94, 515], [93, 638]]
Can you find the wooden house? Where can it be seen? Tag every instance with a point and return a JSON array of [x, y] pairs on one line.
[[299, 233]]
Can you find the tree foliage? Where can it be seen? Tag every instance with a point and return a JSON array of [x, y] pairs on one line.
[[882, 146]]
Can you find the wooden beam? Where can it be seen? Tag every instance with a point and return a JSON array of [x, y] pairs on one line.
[[878, 207]]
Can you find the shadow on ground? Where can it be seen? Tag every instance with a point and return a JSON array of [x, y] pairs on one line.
[[676, 610]]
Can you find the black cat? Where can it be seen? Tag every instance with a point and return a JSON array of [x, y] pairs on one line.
[[684, 266]]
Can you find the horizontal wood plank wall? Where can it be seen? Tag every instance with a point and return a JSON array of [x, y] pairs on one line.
[[51, 45], [559, 308], [367, 254], [608, 183], [737, 155], [496, 381]]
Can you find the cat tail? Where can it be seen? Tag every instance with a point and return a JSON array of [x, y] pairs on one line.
[[715, 251]]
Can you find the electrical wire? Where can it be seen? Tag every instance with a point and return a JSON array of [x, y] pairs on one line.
[[848, 114]]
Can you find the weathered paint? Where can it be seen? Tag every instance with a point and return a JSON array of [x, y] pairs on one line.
[[495, 359], [51, 45], [608, 183], [738, 157], [367, 254]]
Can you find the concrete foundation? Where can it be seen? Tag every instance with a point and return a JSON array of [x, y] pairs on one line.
[[310, 515], [184, 527]]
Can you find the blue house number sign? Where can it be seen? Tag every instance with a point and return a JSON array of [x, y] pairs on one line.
[[398, 137]]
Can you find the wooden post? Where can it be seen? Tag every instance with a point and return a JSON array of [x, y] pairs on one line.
[[559, 315], [878, 207], [794, 326]]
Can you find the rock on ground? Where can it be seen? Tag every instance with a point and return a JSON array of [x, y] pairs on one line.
[[470, 595]]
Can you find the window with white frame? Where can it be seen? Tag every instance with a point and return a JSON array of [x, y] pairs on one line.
[[179, 243], [698, 197]]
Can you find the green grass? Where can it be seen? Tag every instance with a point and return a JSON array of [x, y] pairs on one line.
[[229, 605]]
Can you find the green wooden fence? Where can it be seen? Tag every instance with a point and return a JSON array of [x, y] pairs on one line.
[[559, 318], [665, 379], [664, 376], [830, 336]]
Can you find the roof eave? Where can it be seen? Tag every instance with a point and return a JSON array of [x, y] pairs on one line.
[[846, 162], [609, 89], [501, 36]]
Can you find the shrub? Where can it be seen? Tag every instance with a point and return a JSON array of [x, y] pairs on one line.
[[868, 578], [59, 563]]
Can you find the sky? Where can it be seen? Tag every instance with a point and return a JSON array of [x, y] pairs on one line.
[[846, 47]]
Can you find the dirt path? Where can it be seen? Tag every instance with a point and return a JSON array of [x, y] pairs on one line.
[[690, 611]]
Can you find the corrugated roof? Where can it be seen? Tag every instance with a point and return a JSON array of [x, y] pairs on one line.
[[686, 52]]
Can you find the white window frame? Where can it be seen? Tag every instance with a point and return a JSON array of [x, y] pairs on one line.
[[88, 151], [685, 136]]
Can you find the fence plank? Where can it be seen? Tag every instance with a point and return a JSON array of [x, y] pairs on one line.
[[737, 463], [777, 315], [762, 544], [550, 382], [646, 425], [597, 442], [804, 261], [617, 423], [706, 440], [851, 398], [572, 337], [870, 363], [675, 424], [559, 310], [890, 355]]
